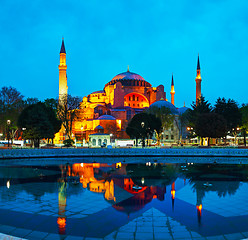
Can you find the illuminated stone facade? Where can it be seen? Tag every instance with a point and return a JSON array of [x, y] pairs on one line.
[[124, 96]]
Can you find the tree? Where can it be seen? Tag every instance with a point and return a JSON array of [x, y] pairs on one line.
[[30, 101], [165, 116], [202, 106], [39, 122], [51, 102], [142, 126], [230, 111], [10, 102], [68, 112], [244, 124], [9, 97], [210, 125]]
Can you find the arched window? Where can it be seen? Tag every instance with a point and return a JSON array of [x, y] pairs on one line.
[[99, 142], [94, 142], [105, 141]]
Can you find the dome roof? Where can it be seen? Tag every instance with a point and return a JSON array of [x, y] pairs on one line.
[[182, 110], [106, 117], [99, 127], [129, 79], [163, 103]]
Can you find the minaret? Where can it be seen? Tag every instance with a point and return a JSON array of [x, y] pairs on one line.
[[172, 92], [198, 81], [62, 72]]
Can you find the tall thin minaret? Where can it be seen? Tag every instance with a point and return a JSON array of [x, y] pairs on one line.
[[62, 72], [172, 92], [198, 80]]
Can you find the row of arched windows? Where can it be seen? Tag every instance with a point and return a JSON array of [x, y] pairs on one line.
[[131, 82], [99, 142]]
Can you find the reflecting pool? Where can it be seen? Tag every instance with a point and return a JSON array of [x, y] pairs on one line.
[[148, 200]]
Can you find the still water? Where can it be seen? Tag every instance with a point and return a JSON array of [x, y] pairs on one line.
[[124, 201]]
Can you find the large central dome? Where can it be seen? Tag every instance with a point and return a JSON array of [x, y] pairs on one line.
[[129, 79]]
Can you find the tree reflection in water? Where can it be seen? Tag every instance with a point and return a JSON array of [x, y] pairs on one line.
[[222, 179], [126, 187]]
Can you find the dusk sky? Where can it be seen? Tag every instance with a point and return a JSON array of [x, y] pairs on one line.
[[155, 38]]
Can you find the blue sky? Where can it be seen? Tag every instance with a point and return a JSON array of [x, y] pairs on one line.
[[155, 38]]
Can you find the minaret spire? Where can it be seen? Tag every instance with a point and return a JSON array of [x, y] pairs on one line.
[[172, 92], [198, 80], [198, 63], [62, 72], [128, 68], [62, 50]]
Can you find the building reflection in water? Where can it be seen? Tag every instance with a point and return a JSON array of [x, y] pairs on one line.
[[61, 220], [141, 183], [199, 212], [62, 186], [129, 187], [173, 193]]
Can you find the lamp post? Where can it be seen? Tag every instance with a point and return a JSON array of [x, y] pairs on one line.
[[8, 124], [82, 129], [143, 141], [190, 132], [24, 143], [111, 136], [236, 136]]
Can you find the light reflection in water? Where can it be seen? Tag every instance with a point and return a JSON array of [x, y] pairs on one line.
[[142, 183]]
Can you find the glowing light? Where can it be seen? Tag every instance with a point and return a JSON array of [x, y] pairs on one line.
[[61, 221], [82, 165], [173, 193], [8, 184], [142, 181], [118, 165], [118, 124], [199, 207]]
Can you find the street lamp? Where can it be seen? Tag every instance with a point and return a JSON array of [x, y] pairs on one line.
[[143, 141], [111, 135], [23, 129], [82, 129], [8, 124]]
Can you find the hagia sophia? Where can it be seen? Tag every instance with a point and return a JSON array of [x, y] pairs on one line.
[[107, 112]]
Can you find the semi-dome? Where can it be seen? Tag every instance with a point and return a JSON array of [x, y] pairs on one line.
[[129, 79], [163, 103], [106, 117]]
